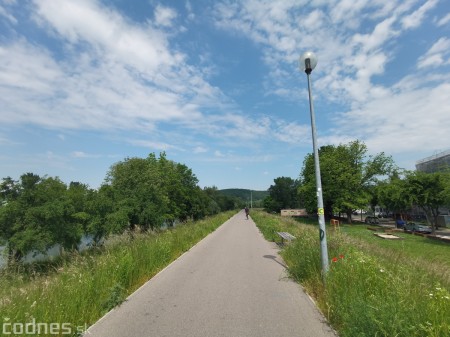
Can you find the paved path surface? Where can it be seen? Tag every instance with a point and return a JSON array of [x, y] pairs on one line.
[[231, 284]]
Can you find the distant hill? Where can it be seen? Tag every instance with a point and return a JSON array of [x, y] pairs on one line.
[[244, 194]]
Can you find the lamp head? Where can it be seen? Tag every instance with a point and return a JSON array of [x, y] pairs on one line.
[[308, 62]]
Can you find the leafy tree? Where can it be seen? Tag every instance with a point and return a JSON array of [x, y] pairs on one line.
[[348, 175], [429, 192], [138, 193], [282, 195], [39, 212], [224, 200], [212, 195], [39, 216], [8, 190], [393, 194], [180, 186], [152, 191]]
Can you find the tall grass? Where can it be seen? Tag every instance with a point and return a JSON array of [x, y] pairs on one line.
[[79, 289], [366, 293]]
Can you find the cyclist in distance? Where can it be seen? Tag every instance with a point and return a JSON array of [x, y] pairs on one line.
[[247, 211]]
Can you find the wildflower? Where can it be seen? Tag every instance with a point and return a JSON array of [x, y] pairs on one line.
[[335, 259], [431, 294], [381, 270], [341, 256], [446, 297]]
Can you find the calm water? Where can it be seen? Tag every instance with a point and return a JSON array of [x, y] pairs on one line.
[[86, 242]]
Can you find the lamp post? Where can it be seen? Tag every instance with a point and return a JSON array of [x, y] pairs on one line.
[[308, 62]]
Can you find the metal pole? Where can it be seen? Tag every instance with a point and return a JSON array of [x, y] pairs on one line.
[[320, 210]]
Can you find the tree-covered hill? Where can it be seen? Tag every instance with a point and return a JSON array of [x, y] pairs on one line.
[[244, 194]]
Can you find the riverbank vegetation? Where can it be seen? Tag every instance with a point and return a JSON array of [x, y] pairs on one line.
[[373, 288], [77, 289], [37, 213]]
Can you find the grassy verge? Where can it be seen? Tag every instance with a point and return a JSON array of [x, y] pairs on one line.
[[373, 288], [78, 290]]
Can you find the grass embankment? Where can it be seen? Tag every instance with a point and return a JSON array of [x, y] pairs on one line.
[[81, 288], [374, 287]]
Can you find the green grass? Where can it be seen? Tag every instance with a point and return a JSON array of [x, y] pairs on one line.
[[374, 287], [414, 246], [80, 288]]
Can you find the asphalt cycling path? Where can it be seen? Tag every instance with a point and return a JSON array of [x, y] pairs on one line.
[[232, 283]]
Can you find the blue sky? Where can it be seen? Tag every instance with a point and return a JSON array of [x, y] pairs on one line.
[[216, 84]]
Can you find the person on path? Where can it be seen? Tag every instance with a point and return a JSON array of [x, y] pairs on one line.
[[247, 211]]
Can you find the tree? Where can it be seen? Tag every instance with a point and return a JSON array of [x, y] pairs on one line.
[[39, 216], [138, 193], [282, 195], [429, 192], [8, 190], [348, 174], [152, 191], [393, 194]]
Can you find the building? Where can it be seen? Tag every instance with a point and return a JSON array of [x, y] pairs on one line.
[[435, 163]]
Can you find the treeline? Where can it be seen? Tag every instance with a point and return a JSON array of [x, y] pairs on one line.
[[352, 179], [246, 196], [39, 212]]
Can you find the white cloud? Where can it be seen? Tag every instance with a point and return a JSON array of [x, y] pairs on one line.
[[200, 149], [354, 50], [115, 74], [292, 133], [81, 154], [415, 19], [355, 40], [438, 54], [219, 154], [7, 15], [105, 30], [443, 21], [164, 16], [381, 33], [153, 145], [108, 72], [410, 121]]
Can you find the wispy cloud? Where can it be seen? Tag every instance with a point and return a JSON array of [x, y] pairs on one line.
[[443, 21], [164, 16], [153, 145], [81, 154], [415, 19], [437, 55], [350, 60], [114, 74]]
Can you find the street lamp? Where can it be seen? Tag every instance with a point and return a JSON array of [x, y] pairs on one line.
[[308, 62]]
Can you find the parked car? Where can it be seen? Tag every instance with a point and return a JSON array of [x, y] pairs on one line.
[[419, 228], [399, 223], [373, 220], [384, 215]]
